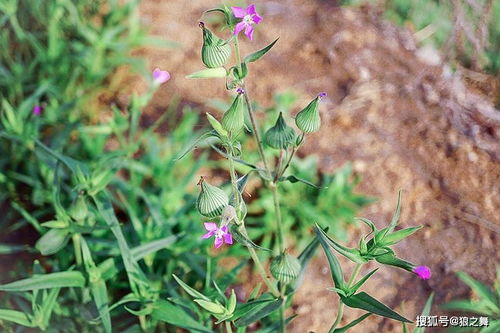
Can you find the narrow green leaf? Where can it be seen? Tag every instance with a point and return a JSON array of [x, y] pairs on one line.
[[192, 292], [174, 315], [276, 326], [242, 239], [399, 235], [352, 254], [216, 125], [480, 289], [352, 324], [258, 311], [467, 306], [46, 281], [425, 312], [208, 73], [361, 281], [397, 214], [293, 179], [48, 305], [304, 258], [258, 54], [17, 317], [196, 142], [365, 302], [143, 250], [335, 268]]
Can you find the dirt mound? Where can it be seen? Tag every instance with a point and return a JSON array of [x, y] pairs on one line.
[[403, 119]]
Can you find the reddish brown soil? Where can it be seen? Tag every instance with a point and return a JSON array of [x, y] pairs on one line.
[[405, 121]]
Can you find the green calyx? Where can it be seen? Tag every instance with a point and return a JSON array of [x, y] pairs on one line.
[[285, 268], [215, 51], [211, 200], [308, 119], [280, 136], [233, 119]]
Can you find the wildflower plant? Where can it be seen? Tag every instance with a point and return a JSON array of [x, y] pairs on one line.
[[226, 212]]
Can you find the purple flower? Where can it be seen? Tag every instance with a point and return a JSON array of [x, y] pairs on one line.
[[37, 110], [222, 235], [322, 95], [160, 76], [249, 18], [240, 91], [423, 272]]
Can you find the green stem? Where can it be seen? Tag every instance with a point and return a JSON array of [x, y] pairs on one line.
[[279, 223], [340, 312], [77, 247], [234, 182], [228, 327]]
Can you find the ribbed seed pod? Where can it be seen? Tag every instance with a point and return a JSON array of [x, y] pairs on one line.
[[79, 210], [285, 268], [308, 119], [212, 200], [234, 118], [280, 136], [215, 51]]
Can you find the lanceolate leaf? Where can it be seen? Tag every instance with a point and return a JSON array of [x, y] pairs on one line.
[[358, 285], [192, 292], [294, 179], [365, 302], [46, 281], [352, 324], [304, 258], [143, 250], [242, 239], [480, 289], [174, 315], [17, 317], [196, 142], [258, 54], [425, 312], [352, 254], [259, 311], [335, 268]]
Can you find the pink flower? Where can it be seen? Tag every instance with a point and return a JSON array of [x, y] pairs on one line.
[[160, 76], [423, 272], [222, 235], [37, 110], [249, 18]]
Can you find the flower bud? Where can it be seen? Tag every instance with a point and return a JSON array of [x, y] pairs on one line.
[[52, 241], [79, 210], [212, 200], [233, 119], [215, 52], [285, 268], [280, 136], [308, 120]]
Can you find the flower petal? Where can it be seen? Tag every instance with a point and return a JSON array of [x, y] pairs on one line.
[[249, 32], [240, 26], [224, 229], [238, 12], [228, 238], [208, 234], [218, 242], [251, 10], [256, 18], [210, 226]]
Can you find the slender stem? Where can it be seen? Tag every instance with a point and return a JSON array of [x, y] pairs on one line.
[[279, 223], [228, 327], [77, 247], [234, 182], [340, 312], [354, 274]]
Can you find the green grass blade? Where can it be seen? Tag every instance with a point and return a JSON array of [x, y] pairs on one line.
[[46, 281]]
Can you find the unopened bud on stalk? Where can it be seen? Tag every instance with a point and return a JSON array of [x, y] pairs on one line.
[[285, 268], [212, 200], [308, 119], [215, 51], [280, 136], [233, 119], [79, 209]]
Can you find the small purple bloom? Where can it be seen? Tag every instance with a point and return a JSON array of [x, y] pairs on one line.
[[37, 110], [240, 91], [160, 76], [222, 235], [249, 18], [423, 272], [322, 95]]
